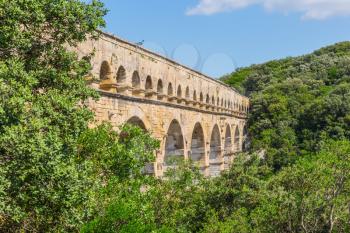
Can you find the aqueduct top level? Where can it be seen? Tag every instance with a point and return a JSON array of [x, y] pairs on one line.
[[193, 115]]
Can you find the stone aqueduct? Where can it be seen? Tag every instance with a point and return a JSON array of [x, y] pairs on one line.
[[194, 116]]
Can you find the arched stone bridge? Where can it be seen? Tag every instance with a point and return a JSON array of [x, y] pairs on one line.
[[194, 116]]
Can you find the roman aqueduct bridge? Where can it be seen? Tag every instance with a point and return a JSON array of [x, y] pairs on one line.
[[194, 116]]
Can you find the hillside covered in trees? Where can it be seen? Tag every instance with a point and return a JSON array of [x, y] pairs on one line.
[[297, 103]]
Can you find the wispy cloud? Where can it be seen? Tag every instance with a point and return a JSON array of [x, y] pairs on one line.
[[311, 9]]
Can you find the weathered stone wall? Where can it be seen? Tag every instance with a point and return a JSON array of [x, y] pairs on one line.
[[193, 116]]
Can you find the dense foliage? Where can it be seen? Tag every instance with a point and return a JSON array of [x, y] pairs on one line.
[[44, 186], [310, 196], [297, 103]]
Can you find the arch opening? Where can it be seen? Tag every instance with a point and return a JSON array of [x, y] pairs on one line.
[[237, 140], [215, 152], [170, 90], [149, 85], [245, 143], [160, 89], [207, 99], [179, 92], [136, 81], [187, 95], [121, 75], [228, 147], [197, 154], [136, 121], [105, 71], [174, 144]]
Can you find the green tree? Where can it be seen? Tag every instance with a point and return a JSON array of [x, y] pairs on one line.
[[44, 186], [310, 196], [122, 201]]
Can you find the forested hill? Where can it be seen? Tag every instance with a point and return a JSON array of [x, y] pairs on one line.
[[297, 103], [329, 64]]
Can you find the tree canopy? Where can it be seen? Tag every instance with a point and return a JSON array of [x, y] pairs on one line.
[[297, 103], [44, 186]]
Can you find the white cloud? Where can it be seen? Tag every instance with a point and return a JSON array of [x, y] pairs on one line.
[[311, 9]]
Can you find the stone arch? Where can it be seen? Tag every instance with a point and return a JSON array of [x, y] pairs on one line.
[[201, 97], [179, 92], [174, 144], [187, 95], [207, 99], [228, 140], [136, 81], [137, 112], [213, 100], [218, 101], [215, 152], [197, 154], [237, 138], [222, 102], [136, 121], [245, 138], [228, 146], [170, 89], [121, 75], [105, 71], [160, 87], [194, 95], [149, 84]]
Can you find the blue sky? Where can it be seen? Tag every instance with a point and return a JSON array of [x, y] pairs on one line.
[[217, 36]]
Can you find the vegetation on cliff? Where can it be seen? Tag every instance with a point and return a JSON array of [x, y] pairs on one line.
[[297, 103]]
